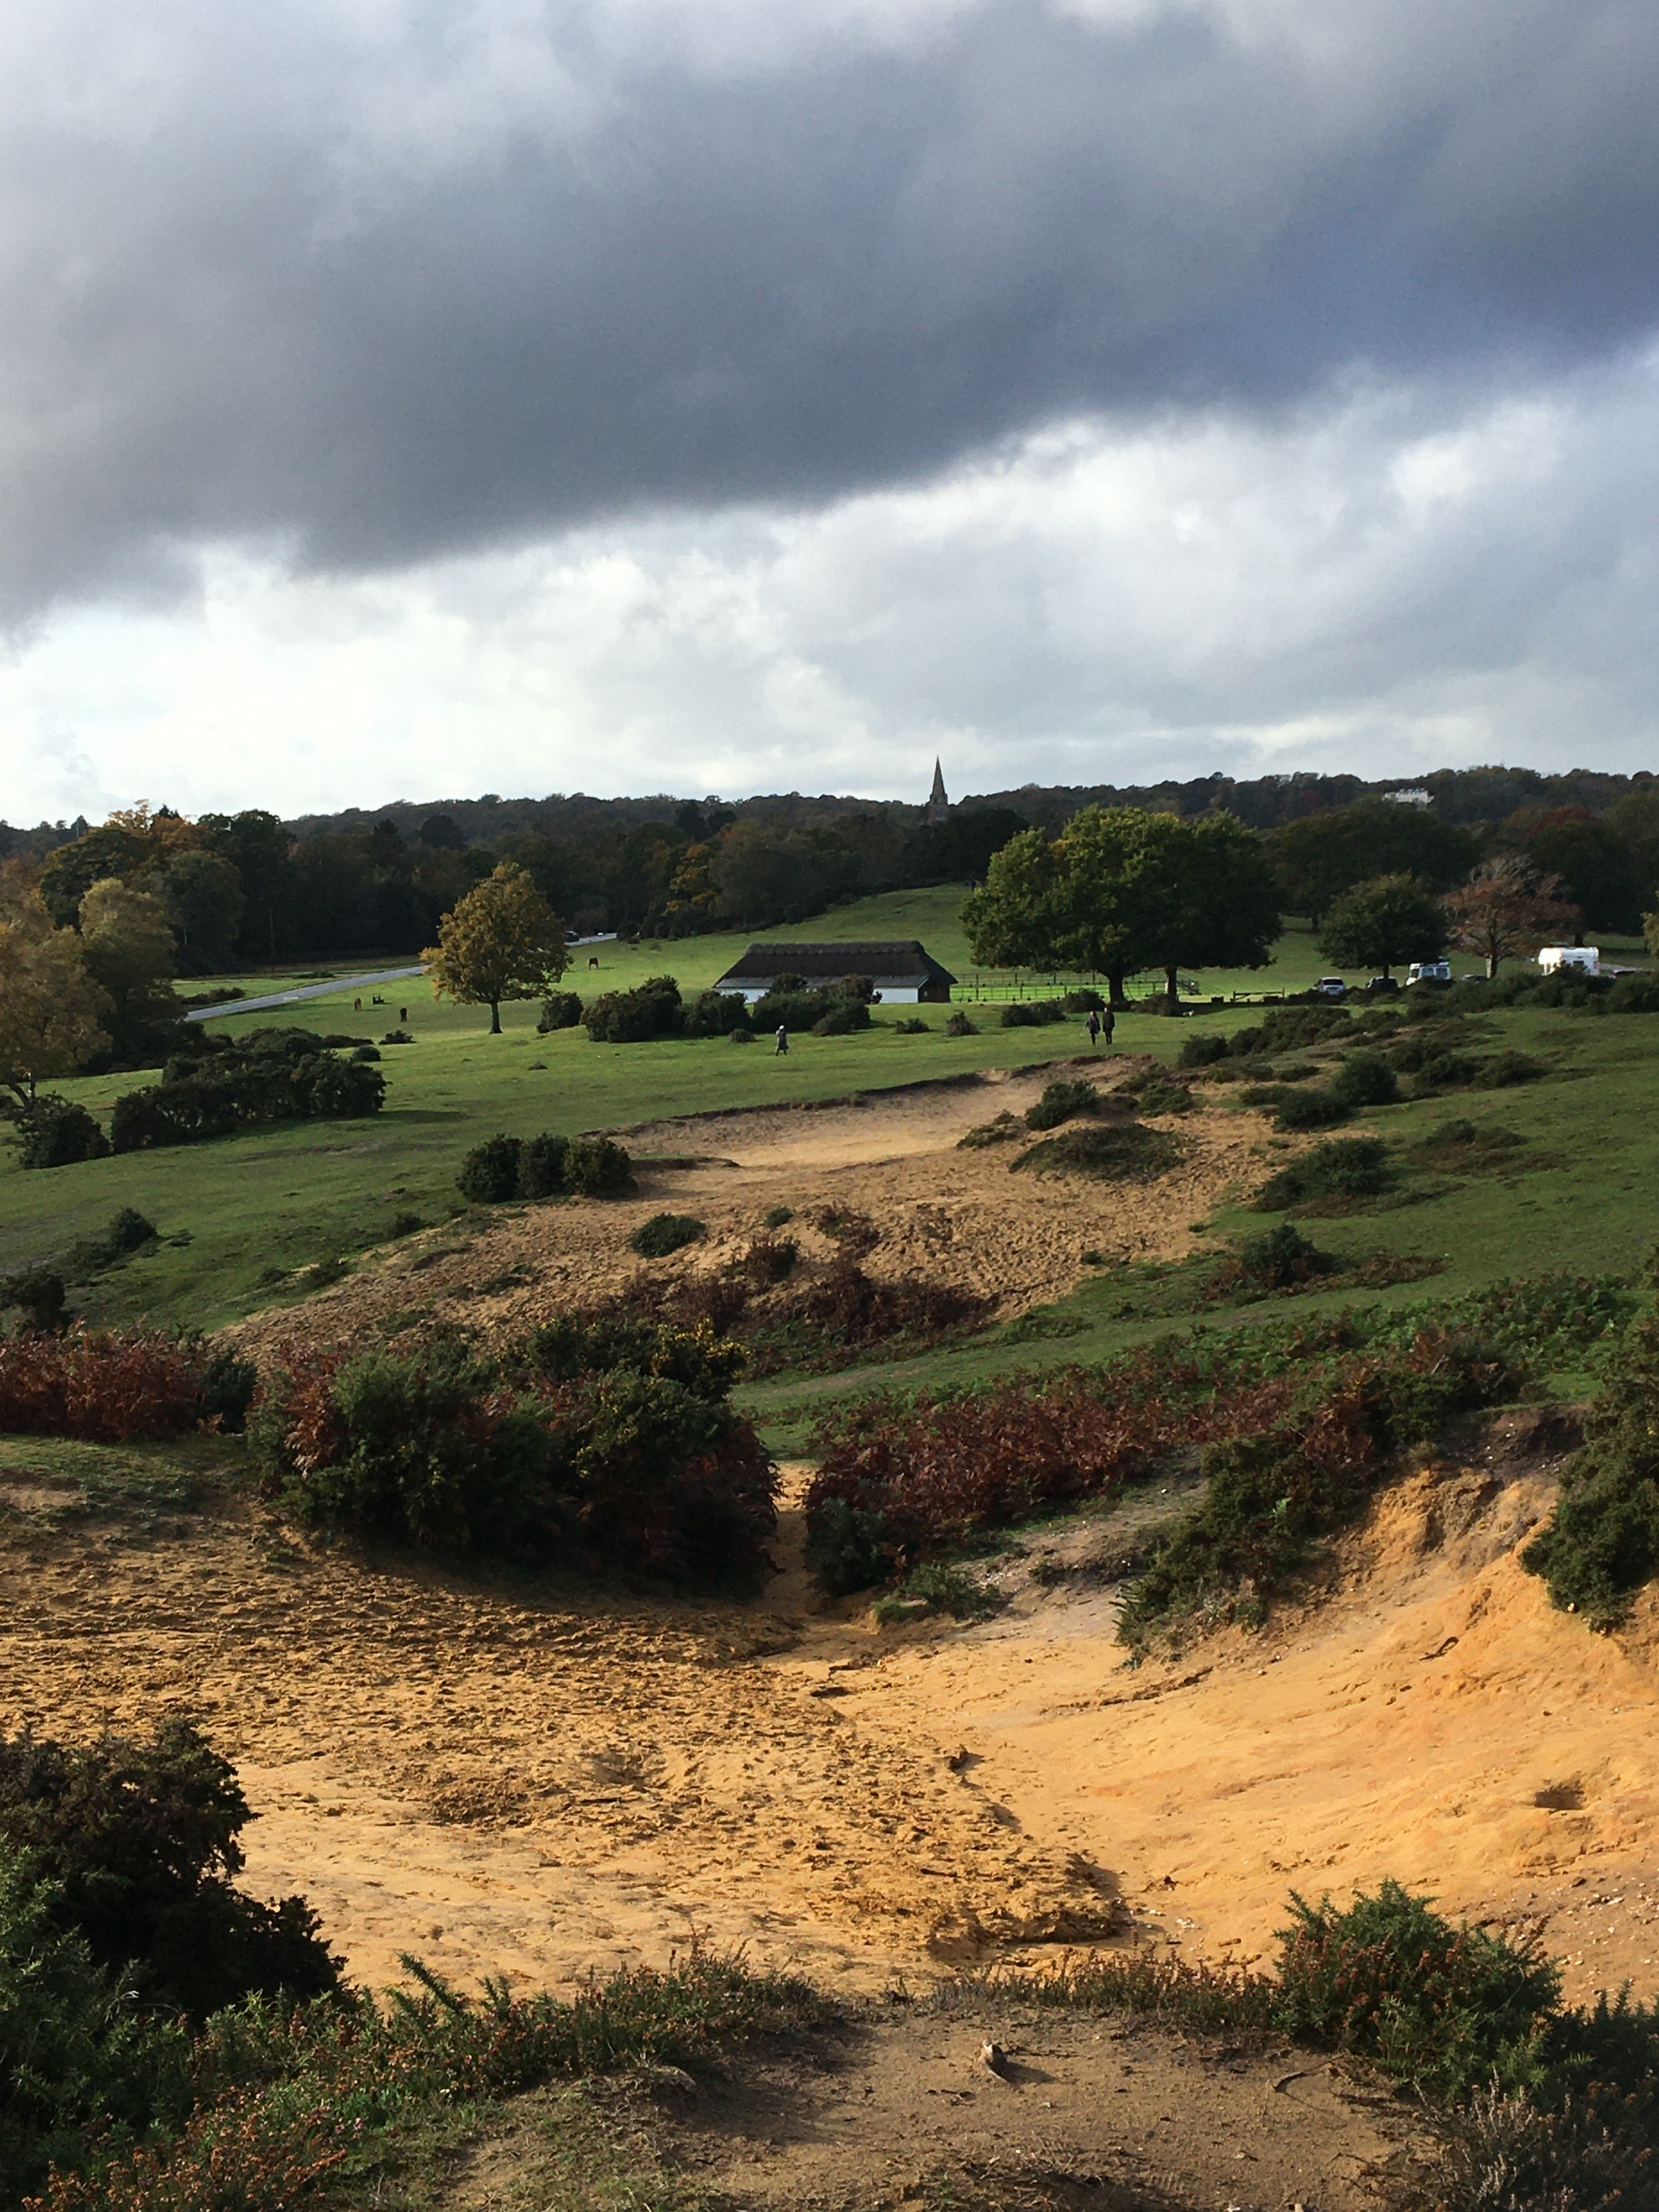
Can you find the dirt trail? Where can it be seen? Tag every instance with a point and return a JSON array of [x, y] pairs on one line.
[[956, 1217], [508, 1781]]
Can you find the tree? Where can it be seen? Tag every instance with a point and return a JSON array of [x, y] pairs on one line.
[[1381, 923], [71, 873], [258, 848], [1598, 869], [128, 947], [1507, 906], [1121, 890], [502, 941], [202, 893], [1319, 858], [52, 1012]]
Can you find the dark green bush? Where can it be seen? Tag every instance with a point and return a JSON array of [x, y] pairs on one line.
[[1504, 1069], [405, 1224], [561, 1010], [848, 1547], [489, 1173], [740, 1036], [1343, 1168], [1126, 1153], [770, 1260], [959, 1025], [128, 1231], [75, 2059], [665, 1233], [274, 1075], [776, 1216], [652, 1010], [1444, 2010], [1311, 1108], [1155, 1092], [843, 1019], [54, 1132], [608, 1444], [397, 1036], [1365, 1079], [1282, 1259], [1031, 1013], [1601, 1543], [1062, 1101], [366, 1052], [542, 1166], [140, 1840], [1634, 994], [597, 1167], [227, 1389], [910, 1029], [1203, 1051], [36, 1292], [1083, 1001]]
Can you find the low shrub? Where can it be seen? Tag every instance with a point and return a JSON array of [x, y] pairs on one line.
[[36, 1294], [651, 1009], [740, 1036], [1083, 1001], [1282, 1259], [843, 1019], [1601, 1544], [776, 1216], [54, 1132], [1062, 1101], [1155, 1092], [405, 1224], [939, 1586], [366, 1052], [139, 1841], [913, 1027], [1202, 1051], [561, 1010], [1634, 994], [854, 1231], [489, 1173], [1006, 1127], [1443, 2010], [1365, 1078], [1506, 1069], [1312, 1108], [1031, 1013], [597, 1167], [274, 1075], [848, 1548], [504, 1168], [609, 1443], [397, 1036], [1126, 1153], [770, 1260], [1345, 1168], [665, 1233], [959, 1025]]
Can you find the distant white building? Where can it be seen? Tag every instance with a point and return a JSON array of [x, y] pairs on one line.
[[1416, 797], [899, 969]]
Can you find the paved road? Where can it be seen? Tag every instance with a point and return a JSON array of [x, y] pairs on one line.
[[305, 991]]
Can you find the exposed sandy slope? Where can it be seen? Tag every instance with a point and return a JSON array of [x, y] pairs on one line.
[[508, 1782], [958, 1217]]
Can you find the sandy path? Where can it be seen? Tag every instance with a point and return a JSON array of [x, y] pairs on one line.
[[953, 1216]]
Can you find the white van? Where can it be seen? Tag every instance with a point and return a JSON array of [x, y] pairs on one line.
[[1429, 971], [1586, 958]]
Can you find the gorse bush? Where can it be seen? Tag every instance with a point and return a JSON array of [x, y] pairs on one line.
[[1129, 1152], [665, 1233], [1345, 1168], [561, 1010], [274, 1075], [36, 1294], [1444, 2010], [1601, 1543], [139, 1844], [1283, 1259], [1365, 1078], [1062, 1101], [1031, 1013], [1293, 1109], [505, 1168], [604, 1444], [54, 1132], [959, 1025]]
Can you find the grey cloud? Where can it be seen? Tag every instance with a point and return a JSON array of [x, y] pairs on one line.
[[244, 294]]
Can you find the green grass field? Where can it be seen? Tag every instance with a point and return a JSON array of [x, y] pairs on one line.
[[236, 1215]]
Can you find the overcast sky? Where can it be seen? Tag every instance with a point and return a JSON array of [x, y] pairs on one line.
[[408, 399]]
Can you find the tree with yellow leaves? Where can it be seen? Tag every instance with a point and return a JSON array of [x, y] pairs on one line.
[[51, 1011], [502, 941]]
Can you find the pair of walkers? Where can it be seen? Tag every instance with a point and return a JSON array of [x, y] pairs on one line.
[[1100, 1025]]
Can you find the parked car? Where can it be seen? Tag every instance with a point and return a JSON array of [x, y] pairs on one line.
[[1331, 987], [1380, 987], [1429, 971]]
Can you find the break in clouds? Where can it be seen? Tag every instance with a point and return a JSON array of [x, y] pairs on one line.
[[632, 392]]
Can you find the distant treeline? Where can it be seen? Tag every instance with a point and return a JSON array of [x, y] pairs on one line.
[[248, 889]]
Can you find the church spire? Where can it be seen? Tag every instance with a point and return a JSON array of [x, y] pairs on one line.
[[939, 805]]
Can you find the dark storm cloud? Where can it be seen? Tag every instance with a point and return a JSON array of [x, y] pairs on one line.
[[377, 287]]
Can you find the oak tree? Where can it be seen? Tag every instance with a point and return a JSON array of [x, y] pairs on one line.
[[502, 941]]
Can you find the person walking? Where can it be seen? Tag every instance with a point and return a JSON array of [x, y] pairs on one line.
[[783, 1038], [1108, 1023], [1093, 1027]]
